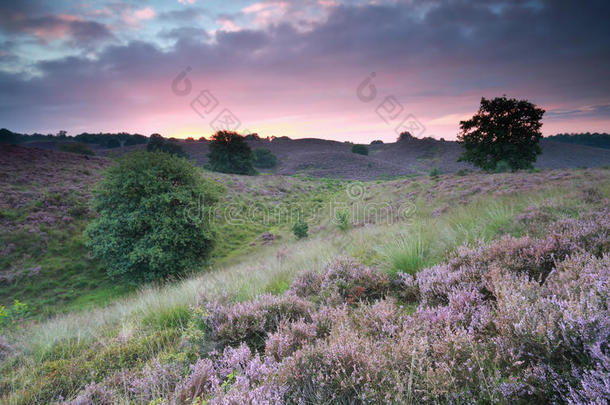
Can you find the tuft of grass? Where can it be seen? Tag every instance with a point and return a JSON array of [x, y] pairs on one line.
[[169, 318], [407, 254]]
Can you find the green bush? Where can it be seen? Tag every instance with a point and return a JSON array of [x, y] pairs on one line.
[[300, 229], [377, 142], [229, 153], [264, 159], [360, 149], [10, 316], [79, 148], [154, 211], [343, 220], [157, 143], [435, 172]]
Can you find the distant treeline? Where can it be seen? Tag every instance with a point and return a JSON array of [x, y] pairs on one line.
[[590, 139], [106, 140]]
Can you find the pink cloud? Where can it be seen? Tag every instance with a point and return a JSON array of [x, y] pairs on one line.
[[144, 14]]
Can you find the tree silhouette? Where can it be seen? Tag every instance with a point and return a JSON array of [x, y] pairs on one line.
[[502, 130], [229, 153]]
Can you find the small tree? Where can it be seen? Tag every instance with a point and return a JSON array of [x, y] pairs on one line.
[[157, 143], [405, 136], [229, 153], [264, 159], [502, 130], [360, 149], [153, 217]]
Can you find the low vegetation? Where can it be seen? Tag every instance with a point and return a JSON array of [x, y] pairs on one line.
[[79, 148], [360, 149], [595, 139], [471, 288], [300, 229]]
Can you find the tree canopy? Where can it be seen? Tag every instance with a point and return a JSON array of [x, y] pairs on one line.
[[159, 144], [502, 130], [229, 153], [154, 212], [264, 158]]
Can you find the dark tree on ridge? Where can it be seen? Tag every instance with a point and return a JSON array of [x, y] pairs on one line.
[[502, 130], [229, 153]]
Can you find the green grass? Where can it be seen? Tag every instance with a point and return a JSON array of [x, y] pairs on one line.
[[68, 279], [130, 330]]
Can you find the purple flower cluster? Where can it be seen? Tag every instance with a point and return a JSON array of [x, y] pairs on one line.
[[517, 321], [344, 281], [250, 322]]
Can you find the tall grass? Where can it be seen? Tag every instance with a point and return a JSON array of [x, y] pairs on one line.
[[404, 247], [424, 240]]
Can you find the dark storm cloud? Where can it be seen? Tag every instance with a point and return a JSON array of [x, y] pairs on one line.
[[66, 27]]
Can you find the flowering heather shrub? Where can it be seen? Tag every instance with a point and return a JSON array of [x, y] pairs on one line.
[[344, 368], [202, 381], [381, 320], [538, 215], [534, 257], [517, 321], [591, 234], [344, 280], [307, 284], [155, 380], [557, 332], [291, 336], [406, 287], [94, 394], [250, 322]]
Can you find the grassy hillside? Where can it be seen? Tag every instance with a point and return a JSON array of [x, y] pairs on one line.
[[138, 348], [45, 208], [331, 159]]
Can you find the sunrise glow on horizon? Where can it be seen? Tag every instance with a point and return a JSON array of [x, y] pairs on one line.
[[291, 68]]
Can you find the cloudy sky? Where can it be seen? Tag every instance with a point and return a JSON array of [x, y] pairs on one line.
[[299, 68]]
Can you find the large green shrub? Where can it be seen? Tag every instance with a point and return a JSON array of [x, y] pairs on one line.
[[154, 217], [264, 159], [229, 153]]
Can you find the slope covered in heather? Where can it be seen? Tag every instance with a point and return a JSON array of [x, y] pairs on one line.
[[477, 287]]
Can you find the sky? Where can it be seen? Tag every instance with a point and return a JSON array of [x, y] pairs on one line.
[[344, 70]]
